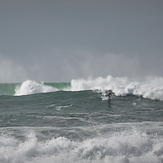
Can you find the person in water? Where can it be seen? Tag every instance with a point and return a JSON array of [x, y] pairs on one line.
[[109, 94]]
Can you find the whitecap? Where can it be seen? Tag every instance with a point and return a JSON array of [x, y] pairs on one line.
[[32, 87], [121, 147], [151, 88]]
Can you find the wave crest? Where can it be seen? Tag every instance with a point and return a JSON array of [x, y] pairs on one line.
[[122, 86], [32, 87]]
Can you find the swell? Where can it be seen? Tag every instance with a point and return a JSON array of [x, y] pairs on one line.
[[60, 86], [150, 88], [31, 87], [8, 88]]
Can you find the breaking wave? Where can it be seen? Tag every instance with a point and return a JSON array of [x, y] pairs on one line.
[[122, 147], [32, 87], [122, 86], [151, 88]]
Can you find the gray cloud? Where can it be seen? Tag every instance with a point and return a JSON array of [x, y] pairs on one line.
[[59, 40]]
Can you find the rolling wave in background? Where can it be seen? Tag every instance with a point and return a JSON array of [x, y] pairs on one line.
[[121, 86], [31, 87]]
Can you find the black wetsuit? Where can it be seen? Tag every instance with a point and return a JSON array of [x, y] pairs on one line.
[[109, 94]]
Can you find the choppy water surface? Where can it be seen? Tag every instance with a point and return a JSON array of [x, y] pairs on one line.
[[75, 122]]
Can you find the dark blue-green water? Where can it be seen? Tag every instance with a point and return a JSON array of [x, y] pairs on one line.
[[67, 122]]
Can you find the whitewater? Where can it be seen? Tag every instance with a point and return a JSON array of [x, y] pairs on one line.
[[76, 122], [149, 88]]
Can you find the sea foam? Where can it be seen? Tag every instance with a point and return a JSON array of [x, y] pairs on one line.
[[32, 87], [121, 147], [151, 88], [121, 86]]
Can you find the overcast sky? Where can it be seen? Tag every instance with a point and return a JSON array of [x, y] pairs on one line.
[[60, 40]]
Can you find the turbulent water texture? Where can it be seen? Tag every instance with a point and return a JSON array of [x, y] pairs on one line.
[[76, 122]]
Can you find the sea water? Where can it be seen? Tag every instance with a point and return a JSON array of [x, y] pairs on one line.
[[76, 123]]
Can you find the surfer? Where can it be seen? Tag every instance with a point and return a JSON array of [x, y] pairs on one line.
[[109, 94]]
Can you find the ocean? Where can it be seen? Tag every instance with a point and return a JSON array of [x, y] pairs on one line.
[[75, 122]]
